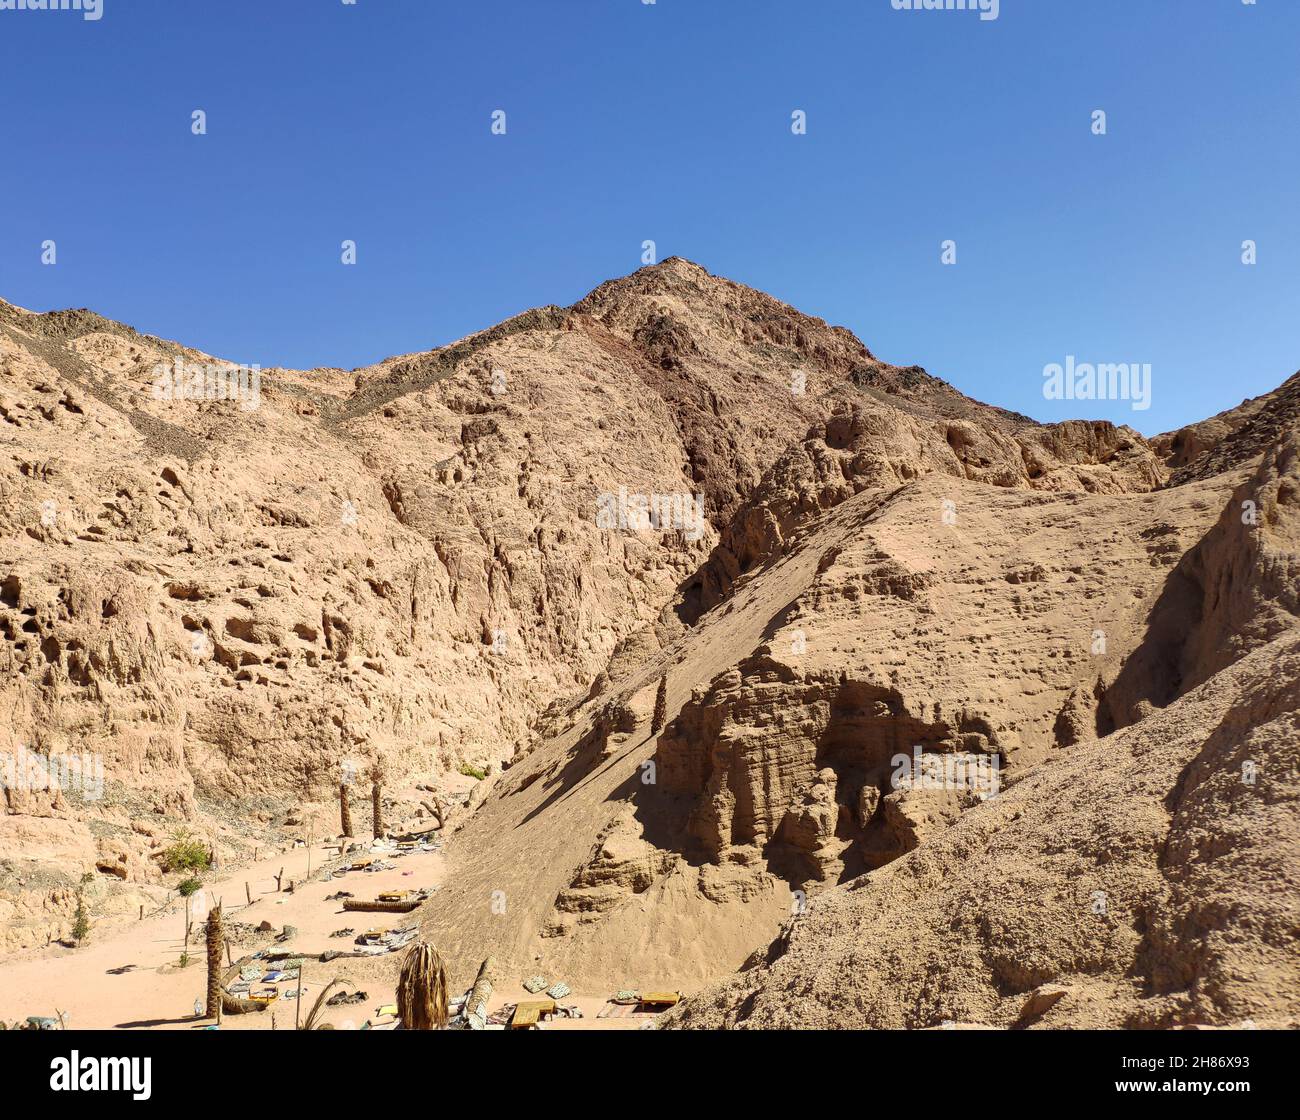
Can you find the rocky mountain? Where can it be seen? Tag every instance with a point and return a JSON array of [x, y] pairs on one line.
[[494, 556]]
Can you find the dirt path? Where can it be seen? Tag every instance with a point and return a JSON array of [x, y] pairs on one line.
[[131, 978]]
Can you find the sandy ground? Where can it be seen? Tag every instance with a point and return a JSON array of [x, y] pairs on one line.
[[131, 978]]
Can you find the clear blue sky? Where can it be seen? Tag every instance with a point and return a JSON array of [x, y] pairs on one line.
[[671, 122]]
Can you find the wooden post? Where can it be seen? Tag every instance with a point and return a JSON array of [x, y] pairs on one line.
[[248, 894], [345, 810], [278, 880], [297, 1010], [214, 963], [377, 808]]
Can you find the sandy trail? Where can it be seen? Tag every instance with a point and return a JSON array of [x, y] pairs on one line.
[[89, 983], [130, 977]]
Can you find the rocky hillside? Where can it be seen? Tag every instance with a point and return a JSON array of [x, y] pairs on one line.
[[690, 726]]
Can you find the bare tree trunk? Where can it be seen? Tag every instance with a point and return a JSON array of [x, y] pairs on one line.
[[377, 808], [661, 707], [477, 1000], [345, 810], [214, 962]]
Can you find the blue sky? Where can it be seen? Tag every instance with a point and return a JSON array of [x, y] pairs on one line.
[[629, 121]]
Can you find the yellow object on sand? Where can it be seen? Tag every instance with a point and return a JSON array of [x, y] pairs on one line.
[[528, 1013]]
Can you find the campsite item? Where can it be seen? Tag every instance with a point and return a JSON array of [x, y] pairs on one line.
[[402, 906], [627, 1003], [535, 984], [529, 1013], [558, 990]]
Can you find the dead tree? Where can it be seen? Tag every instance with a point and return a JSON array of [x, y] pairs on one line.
[[661, 707], [377, 807]]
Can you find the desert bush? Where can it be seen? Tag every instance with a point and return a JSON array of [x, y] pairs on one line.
[[186, 853]]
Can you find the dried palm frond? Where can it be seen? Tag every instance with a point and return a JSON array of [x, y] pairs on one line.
[[422, 989], [309, 1024]]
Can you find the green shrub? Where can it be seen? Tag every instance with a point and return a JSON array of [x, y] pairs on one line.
[[187, 853], [188, 886], [472, 771], [81, 920]]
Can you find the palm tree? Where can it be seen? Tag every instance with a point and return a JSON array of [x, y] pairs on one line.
[[345, 810], [376, 798], [214, 962], [422, 989]]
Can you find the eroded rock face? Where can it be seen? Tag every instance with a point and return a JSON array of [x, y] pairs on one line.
[[1136, 881], [404, 565], [224, 603], [1236, 590], [1232, 439], [931, 615], [863, 446], [882, 629]]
